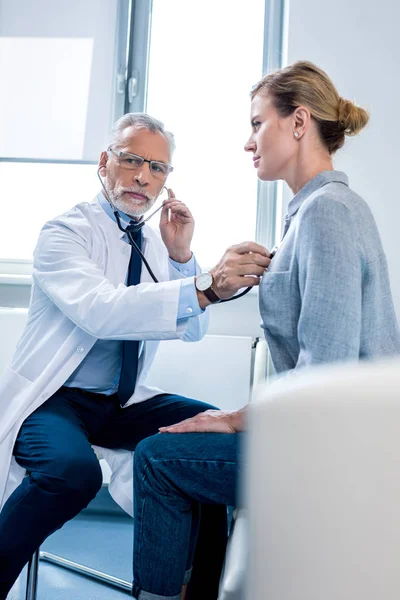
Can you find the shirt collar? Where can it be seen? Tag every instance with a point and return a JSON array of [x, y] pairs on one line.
[[125, 219], [313, 185]]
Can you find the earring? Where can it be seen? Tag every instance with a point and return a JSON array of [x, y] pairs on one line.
[[296, 134]]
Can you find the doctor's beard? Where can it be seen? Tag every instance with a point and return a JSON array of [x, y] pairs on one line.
[[131, 206]]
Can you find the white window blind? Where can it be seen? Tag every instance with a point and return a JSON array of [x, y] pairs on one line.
[[56, 72]]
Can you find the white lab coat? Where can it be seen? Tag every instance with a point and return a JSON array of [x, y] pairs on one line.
[[78, 296]]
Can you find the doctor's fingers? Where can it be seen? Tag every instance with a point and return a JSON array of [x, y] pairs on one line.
[[232, 260], [176, 210], [177, 206], [246, 247], [253, 258], [234, 283], [173, 202], [164, 216], [246, 270]]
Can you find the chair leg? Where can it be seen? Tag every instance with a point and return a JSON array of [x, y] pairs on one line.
[[98, 576], [32, 577]]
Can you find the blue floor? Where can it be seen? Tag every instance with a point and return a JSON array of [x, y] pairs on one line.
[[102, 542]]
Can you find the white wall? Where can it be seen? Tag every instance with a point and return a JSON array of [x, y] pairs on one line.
[[358, 43]]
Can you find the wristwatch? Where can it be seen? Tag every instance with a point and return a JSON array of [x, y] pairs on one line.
[[203, 284]]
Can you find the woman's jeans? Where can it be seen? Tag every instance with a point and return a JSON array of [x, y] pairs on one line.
[[64, 475], [173, 475]]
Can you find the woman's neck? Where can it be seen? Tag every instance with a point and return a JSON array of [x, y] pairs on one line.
[[306, 169]]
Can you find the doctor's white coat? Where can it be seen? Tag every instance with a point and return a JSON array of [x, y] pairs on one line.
[[78, 296]]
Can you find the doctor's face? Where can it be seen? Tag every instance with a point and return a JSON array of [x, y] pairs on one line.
[[271, 142], [134, 189]]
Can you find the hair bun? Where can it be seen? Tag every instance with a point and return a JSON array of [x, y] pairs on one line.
[[351, 118]]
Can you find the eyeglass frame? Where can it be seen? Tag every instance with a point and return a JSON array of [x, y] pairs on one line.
[[157, 162]]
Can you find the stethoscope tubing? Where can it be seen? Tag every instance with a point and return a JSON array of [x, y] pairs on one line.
[[136, 247]]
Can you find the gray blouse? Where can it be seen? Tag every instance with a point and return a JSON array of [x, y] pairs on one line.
[[326, 295]]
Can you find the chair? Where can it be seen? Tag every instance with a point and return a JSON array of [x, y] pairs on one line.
[[324, 485]]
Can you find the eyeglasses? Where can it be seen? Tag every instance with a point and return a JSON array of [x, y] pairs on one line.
[[132, 162]]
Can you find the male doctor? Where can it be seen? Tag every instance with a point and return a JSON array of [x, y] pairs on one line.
[[78, 376]]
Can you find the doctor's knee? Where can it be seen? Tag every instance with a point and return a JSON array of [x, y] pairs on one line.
[[71, 476]]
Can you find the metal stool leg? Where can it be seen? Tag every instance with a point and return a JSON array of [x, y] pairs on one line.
[[32, 576], [98, 576]]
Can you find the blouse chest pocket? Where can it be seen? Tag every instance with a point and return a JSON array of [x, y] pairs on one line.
[[278, 303]]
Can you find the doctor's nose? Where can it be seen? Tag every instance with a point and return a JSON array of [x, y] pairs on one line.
[[142, 177]]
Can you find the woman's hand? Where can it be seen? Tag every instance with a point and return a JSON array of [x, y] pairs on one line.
[[210, 421]]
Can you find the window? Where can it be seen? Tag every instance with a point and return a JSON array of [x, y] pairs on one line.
[[71, 69], [204, 59]]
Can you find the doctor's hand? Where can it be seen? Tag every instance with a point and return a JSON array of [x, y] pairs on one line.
[[176, 228], [240, 267], [215, 421]]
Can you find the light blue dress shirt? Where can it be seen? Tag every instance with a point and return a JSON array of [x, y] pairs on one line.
[[100, 371]]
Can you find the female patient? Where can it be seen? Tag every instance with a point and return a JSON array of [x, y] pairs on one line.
[[325, 297]]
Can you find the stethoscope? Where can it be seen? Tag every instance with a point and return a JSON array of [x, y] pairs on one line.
[[132, 228], [137, 226]]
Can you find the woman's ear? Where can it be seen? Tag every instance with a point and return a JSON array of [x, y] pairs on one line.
[[301, 121], [103, 164]]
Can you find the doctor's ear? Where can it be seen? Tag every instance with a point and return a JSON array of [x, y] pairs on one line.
[[103, 164]]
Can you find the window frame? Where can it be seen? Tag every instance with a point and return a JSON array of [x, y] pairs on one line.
[[269, 197]]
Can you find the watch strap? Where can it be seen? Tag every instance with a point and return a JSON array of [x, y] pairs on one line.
[[211, 295]]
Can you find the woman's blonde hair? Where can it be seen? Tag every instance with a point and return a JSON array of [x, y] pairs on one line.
[[304, 84]]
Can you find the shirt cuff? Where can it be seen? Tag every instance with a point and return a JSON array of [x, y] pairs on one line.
[[188, 303], [188, 269]]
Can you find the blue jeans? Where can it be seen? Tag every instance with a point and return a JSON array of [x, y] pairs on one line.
[[64, 475], [175, 476]]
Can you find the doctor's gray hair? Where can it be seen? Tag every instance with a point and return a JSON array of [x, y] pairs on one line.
[[139, 120]]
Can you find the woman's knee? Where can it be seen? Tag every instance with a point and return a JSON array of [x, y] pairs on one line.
[[147, 458], [144, 453], [156, 460]]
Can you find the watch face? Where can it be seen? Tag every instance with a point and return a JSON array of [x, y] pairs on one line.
[[204, 281]]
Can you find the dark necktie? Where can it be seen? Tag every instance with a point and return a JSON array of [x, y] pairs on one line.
[[130, 349]]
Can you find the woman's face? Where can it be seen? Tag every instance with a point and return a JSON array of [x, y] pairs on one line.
[[272, 141]]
